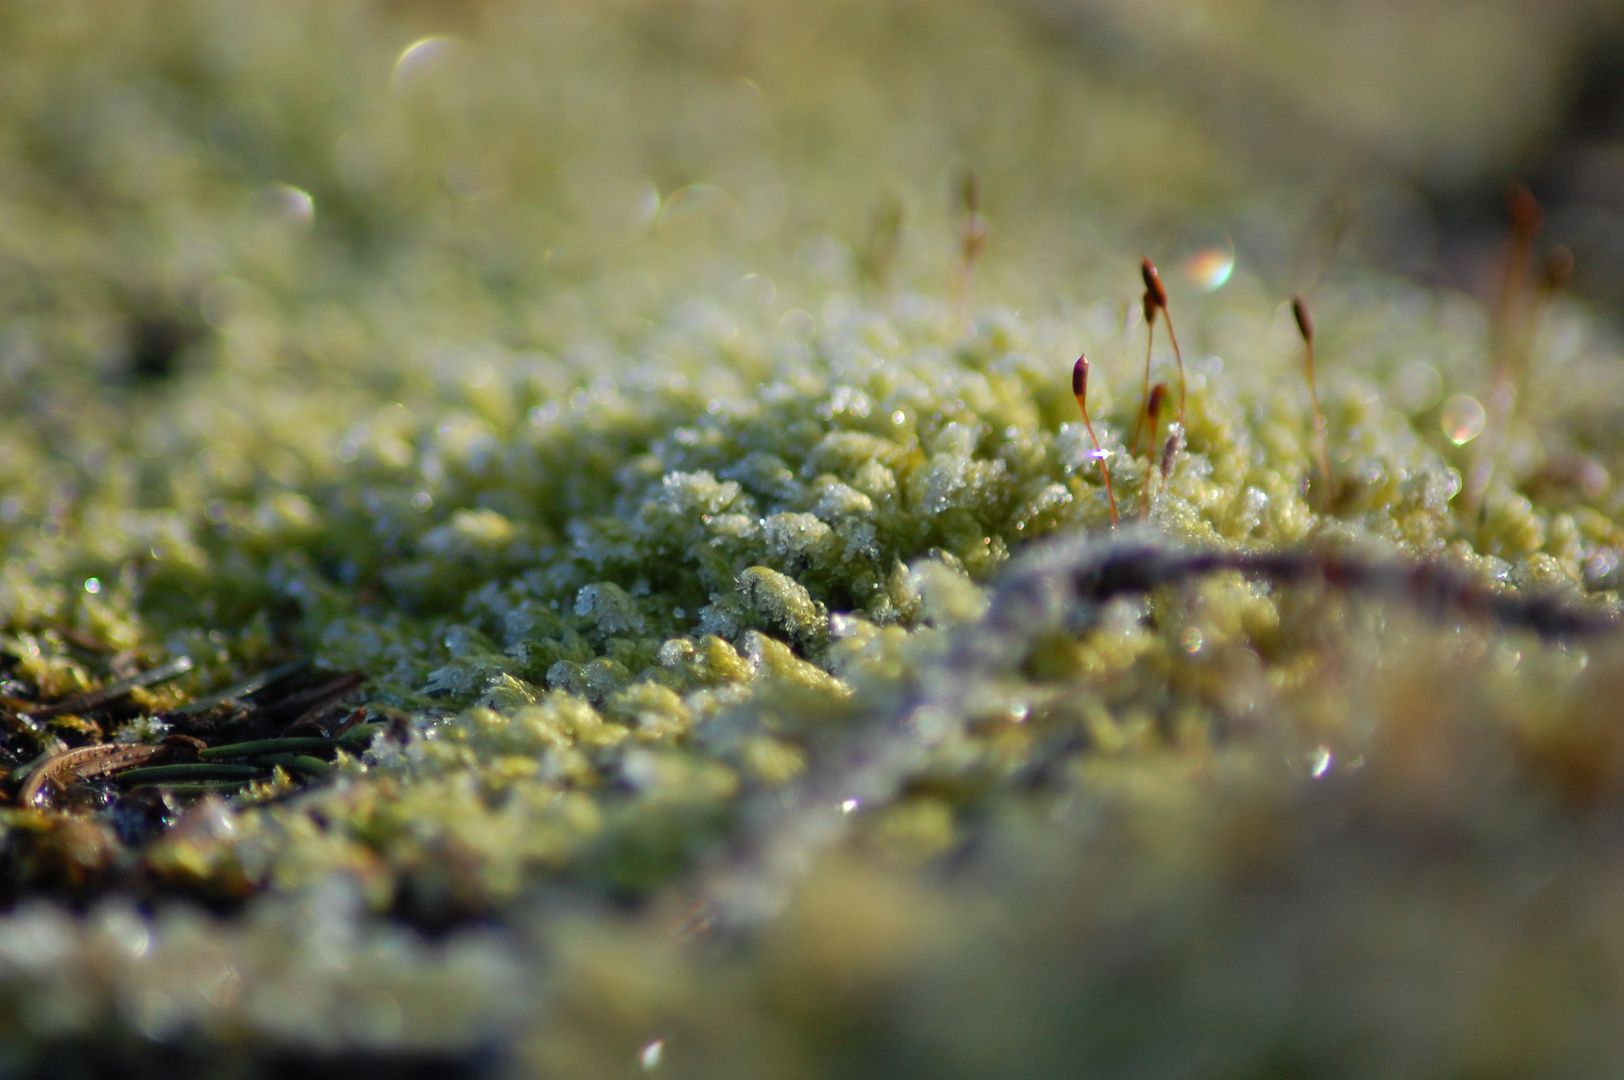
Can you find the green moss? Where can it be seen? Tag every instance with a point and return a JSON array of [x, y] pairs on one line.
[[677, 568]]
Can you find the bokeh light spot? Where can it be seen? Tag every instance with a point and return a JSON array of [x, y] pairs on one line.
[[1462, 419]]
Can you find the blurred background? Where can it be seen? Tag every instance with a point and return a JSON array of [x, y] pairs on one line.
[[1413, 117], [326, 182]]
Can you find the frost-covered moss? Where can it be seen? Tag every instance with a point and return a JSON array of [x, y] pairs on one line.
[[678, 571], [618, 626]]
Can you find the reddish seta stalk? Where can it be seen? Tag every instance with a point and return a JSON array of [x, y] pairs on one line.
[[1514, 312], [1322, 453], [1079, 389], [1154, 291], [972, 238], [1153, 411], [1144, 396]]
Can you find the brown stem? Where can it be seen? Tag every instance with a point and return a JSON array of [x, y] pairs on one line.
[[1154, 413], [1177, 355], [1079, 390], [1305, 326]]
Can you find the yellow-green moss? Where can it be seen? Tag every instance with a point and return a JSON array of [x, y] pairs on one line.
[[573, 422]]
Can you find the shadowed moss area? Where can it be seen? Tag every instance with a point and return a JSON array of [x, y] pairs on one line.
[[665, 558]]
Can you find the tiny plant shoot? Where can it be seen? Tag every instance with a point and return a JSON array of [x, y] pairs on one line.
[[1079, 389], [1144, 397], [882, 252], [1511, 310], [1158, 294], [972, 238], [1305, 327], [1554, 277], [1515, 309], [1153, 412]]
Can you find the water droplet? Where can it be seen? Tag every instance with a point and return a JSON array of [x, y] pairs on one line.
[[423, 501], [1191, 641], [850, 805], [798, 323], [756, 289], [418, 58], [649, 1057], [1202, 257], [1018, 711], [1208, 268], [899, 418], [1417, 386], [92, 585], [698, 206], [1462, 419], [292, 203], [1319, 761]]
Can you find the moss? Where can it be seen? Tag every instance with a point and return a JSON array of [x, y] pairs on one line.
[[701, 586]]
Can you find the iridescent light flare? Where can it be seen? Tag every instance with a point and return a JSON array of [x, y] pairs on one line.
[[1206, 270], [1462, 419]]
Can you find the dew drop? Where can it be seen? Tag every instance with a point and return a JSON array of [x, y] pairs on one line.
[[756, 289], [1208, 268], [699, 206], [92, 585], [294, 204], [1203, 257], [649, 1057], [850, 805], [797, 323], [1462, 419], [1191, 641], [417, 58], [1319, 761], [1417, 386]]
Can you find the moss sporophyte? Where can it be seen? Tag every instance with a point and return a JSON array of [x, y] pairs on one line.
[[1079, 390]]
